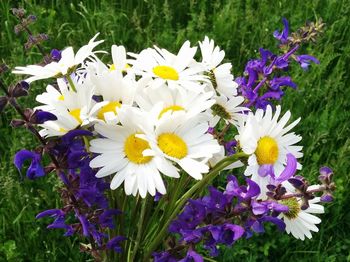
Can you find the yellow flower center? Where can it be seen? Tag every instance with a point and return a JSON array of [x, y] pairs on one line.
[[172, 145], [267, 151], [294, 207], [133, 148], [170, 108], [62, 130], [166, 72], [76, 114], [61, 98], [110, 107], [112, 67]]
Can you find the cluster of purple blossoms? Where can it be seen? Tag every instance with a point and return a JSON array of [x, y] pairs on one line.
[[83, 195], [265, 77], [221, 218]]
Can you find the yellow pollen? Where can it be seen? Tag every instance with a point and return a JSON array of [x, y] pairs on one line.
[[166, 72], [112, 67], [76, 114], [110, 107], [62, 130], [61, 98], [170, 108], [267, 151], [133, 148], [172, 145], [294, 207]]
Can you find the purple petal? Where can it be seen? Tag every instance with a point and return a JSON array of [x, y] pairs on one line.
[[253, 188], [41, 117], [265, 170], [85, 225], [289, 170], [50, 212]]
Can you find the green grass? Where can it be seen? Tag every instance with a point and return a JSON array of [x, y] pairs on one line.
[[240, 28]]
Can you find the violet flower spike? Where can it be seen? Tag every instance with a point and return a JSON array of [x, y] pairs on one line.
[[35, 169]]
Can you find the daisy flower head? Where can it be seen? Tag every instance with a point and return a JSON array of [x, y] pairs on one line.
[[228, 109], [220, 76], [71, 108], [121, 153], [301, 222], [161, 67], [66, 65], [267, 141], [116, 91], [184, 141], [163, 101]]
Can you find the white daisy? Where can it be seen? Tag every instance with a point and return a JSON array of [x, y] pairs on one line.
[[166, 101], [71, 108], [66, 65], [121, 154], [177, 71], [220, 75], [300, 222], [116, 91], [228, 109], [183, 141], [267, 141]]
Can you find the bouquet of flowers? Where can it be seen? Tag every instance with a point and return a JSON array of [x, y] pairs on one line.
[[139, 143]]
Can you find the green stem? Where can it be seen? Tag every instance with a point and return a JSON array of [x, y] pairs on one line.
[[139, 228], [180, 203], [71, 83]]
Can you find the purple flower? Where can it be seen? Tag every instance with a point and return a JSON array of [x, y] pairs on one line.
[[327, 197], [40, 117], [164, 256], [55, 55], [289, 170], [265, 207], [85, 224], [326, 174], [243, 193], [266, 170], [305, 60], [106, 218], [231, 233], [59, 221], [114, 243], [35, 169], [192, 256], [283, 36], [216, 199], [278, 82], [230, 147]]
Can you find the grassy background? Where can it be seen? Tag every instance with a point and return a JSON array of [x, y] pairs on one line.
[[240, 28]]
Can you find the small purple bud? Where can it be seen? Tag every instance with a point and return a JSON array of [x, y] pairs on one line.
[[326, 175], [55, 54], [297, 183], [327, 197], [271, 187]]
